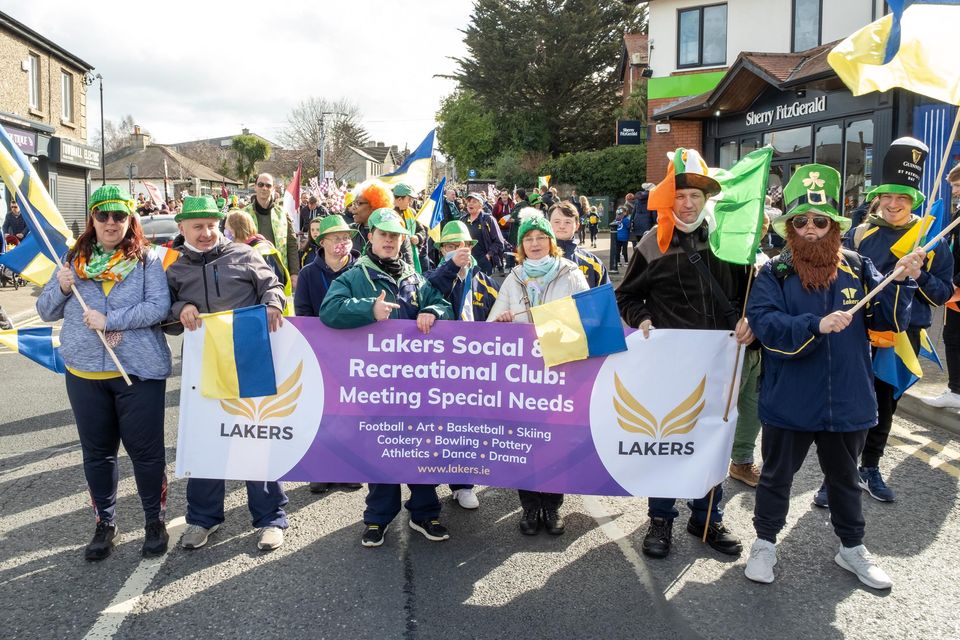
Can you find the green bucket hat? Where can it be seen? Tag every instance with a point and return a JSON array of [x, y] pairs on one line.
[[456, 231], [531, 219], [813, 187], [387, 220], [403, 189], [221, 202], [333, 224], [199, 207], [110, 197]]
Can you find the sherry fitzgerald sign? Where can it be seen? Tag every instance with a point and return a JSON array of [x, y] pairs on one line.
[[787, 111]]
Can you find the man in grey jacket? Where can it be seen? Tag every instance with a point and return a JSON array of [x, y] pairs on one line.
[[213, 274]]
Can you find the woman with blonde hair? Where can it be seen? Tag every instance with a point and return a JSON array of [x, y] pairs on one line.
[[239, 227]]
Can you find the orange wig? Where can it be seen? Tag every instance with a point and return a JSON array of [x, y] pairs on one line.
[[376, 193]]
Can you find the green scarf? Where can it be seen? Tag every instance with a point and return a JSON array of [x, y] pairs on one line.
[[103, 265]]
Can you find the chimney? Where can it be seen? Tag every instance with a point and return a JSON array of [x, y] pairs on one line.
[[139, 139], [246, 131], [380, 144]]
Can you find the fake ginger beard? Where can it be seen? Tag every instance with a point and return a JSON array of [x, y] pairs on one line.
[[815, 261]]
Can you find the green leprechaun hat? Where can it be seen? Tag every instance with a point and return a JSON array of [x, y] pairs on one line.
[[199, 207], [110, 197], [903, 170], [813, 187], [456, 231]]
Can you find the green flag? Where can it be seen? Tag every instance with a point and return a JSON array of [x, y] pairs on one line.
[[739, 212]]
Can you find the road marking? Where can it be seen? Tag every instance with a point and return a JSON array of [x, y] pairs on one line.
[[927, 443], [916, 451], [132, 590]]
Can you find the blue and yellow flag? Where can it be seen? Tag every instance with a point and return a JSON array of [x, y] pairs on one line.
[[431, 213], [581, 326], [29, 261], [914, 47], [237, 357], [417, 169], [36, 343], [898, 365]]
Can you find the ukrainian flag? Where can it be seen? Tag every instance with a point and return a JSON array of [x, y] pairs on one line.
[[417, 169], [581, 326], [914, 47], [36, 343], [431, 213], [237, 360]]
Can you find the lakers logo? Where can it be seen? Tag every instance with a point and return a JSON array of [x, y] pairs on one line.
[[280, 405], [633, 417], [849, 296]]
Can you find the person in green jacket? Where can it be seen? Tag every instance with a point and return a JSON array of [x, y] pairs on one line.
[[380, 286]]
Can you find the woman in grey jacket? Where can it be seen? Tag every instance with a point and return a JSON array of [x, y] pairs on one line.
[[125, 289]]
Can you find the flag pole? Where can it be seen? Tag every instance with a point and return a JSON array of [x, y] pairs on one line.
[[706, 525], [73, 288], [943, 165], [740, 348]]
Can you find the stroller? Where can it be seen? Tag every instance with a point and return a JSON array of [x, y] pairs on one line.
[[8, 276]]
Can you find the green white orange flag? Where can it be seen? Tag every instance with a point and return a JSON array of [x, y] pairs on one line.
[[737, 220]]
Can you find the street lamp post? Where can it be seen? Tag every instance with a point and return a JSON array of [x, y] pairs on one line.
[[88, 79], [322, 145]]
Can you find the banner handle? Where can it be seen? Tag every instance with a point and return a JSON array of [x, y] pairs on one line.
[[740, 348]]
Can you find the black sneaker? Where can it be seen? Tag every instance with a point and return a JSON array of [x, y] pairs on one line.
[[656, 543], [102, 543], [155, 539], [530, 522], [319, 487], [431, 530], [373, 535], [349, 486], [718, 537], [553, 522]]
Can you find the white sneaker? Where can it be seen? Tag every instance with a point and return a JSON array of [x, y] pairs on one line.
[[763, 557], [946, 400], [859, 561], [466, 498], [269, 538], [196, 536]]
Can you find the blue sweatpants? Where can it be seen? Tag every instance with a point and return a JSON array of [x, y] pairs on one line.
[[264, 499], [383, 503]]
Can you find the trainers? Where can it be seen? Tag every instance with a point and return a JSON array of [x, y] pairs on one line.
[[656, 543], [196, 536], [946, 400], [466, 498], [530, 522], [553, 522], [859, 561], [872, 482], [155, 539], [820, 497], [718, 537], [319, 487], [762, 560], [269, 538], [349, 486], [431, 530], [747, 473], [102, 542], [373, 535]]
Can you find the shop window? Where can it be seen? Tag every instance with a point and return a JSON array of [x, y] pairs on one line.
[[33, 78], [702, 36], [728, 154], [66, 96], [807, 20], [748, 145], [827, 146], [858, 170], [789, 142]]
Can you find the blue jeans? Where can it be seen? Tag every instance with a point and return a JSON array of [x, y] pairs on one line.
[[667, 507], [264, 499]]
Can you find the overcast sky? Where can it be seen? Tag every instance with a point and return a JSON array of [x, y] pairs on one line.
[[203, 69]]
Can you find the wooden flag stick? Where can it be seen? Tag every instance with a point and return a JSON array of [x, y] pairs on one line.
[[29, 210], [740, 348], [706, 525], [943, 165]]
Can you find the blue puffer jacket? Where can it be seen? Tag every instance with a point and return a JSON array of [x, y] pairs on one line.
[[936, 279], [815, 382], [623, 230]]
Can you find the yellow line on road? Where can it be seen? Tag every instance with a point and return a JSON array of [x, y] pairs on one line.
[[917, 451]]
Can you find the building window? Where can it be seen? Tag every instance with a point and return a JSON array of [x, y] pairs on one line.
[[827, 149], [728, 154], [66, 96], [807, 19], [858, 170], [789, 142], [702, 36], [33, 78]]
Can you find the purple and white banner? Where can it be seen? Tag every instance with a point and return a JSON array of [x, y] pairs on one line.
[[470, 403]]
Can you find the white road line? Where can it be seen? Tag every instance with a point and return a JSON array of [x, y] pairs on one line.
[[132, 590]]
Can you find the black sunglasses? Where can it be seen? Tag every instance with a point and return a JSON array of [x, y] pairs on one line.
[[820, 222], [103, 216], [264, 184]]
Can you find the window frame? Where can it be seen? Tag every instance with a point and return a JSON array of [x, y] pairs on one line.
[[793, 26], [34, 95], [700, 62], [66, 105]]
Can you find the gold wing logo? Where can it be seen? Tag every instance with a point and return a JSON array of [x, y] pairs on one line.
[[279, 405], [633, 417]]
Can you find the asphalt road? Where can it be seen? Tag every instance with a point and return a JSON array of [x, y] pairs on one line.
[[488, 581]]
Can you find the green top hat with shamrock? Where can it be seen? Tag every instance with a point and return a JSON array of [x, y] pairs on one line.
[[813, 187], [456, 231], [199, 207], [110, 197], [903, 170]]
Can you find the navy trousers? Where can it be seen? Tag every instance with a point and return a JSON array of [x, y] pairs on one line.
[[109, 412], [383, 503], [667, 507], [264, 499]]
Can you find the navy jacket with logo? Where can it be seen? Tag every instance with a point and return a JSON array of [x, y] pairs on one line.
[[815, 382], [483, 289]]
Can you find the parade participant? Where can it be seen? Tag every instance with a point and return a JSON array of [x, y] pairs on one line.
[[503, 206], [414, 248], [593, 220], [542, 275], [564, 221], [483, 228], [951, 327], [14, 224], [313, 243], [358, 298], [213, 274], [239, 228], [310, 210], [123, 285], [368, 196], [273, 223], [450, 210], [623, 237], [471, 300], [817, 377], [674, 281], [898, 194], [583, 208]]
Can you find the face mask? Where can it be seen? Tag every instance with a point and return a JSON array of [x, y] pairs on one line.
[[540, 263], [693, 226]]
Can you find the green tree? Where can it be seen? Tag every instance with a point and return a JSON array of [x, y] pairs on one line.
[[250, 150], [613, 171], [466, 131]]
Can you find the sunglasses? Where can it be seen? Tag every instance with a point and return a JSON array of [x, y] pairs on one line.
[[820, 222], [264, 185], [102, 216]]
